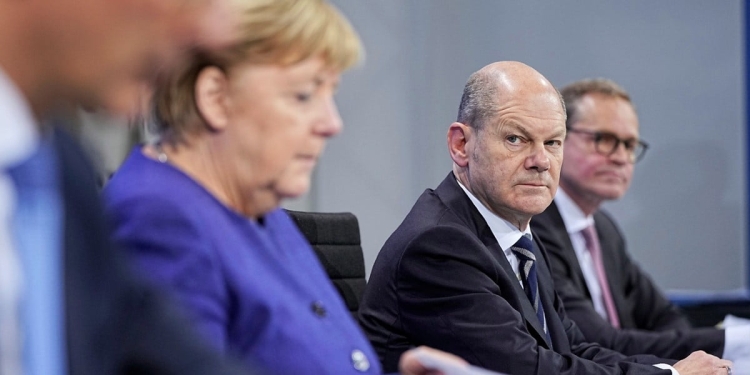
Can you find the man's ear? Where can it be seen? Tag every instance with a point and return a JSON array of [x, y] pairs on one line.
[[458, 136], [211, 94]]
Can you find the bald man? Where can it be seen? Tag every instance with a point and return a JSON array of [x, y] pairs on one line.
[[463, 273]]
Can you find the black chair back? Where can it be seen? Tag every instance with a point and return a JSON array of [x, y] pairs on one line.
[[335, 239]]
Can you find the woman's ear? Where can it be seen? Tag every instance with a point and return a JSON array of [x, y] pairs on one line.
[[211, 91]]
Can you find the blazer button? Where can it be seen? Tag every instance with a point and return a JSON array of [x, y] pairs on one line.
[[318, 309], [359, 360]]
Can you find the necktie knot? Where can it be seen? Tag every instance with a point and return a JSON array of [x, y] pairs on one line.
[[522, 249], [39, 171], [589, 235]]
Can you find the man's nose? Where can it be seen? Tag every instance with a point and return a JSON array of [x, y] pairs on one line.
[[538, 159], [621, 155]]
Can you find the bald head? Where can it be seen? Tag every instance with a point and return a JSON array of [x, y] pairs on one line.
[[502, 85], [507, 143]]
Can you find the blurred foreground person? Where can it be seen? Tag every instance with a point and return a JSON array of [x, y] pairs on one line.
[[66, 304]]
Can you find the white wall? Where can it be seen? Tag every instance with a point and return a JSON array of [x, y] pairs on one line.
[[681, 61]]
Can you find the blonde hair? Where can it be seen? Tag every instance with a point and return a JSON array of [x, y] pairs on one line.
[[282, 32]]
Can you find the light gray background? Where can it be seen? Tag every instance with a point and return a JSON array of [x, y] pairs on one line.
[[681, 61]]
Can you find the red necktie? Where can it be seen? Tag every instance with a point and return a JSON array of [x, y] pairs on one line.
[[592, 243]]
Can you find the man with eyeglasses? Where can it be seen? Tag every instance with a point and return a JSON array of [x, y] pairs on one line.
[[611, 299]]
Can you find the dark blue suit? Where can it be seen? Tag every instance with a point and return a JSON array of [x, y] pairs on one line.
[[442, 280], [650, 323]]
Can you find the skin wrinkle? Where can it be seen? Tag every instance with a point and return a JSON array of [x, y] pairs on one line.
[[512, 164]]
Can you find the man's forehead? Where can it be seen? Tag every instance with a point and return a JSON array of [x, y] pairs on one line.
[[535, 108], [602, 108], [532, 127]]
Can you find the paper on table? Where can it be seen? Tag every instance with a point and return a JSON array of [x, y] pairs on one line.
[[451, 368], [734, 321]]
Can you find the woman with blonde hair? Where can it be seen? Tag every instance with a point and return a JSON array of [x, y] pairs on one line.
[[241, 129]]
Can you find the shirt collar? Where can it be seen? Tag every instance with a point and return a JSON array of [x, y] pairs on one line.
[[506, 234], [20, 136], [573, 217]]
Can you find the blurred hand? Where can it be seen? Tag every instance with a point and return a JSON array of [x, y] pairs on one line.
[[702, 363], [428, 361]]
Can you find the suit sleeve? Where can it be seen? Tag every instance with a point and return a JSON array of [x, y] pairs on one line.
[[650, 308], [452, 296], [165, 244], [671, 344]]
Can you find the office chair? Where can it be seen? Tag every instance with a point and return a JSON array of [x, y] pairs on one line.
[[335, 239]]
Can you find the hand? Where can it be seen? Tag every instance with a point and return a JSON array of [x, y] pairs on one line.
[[428, 361], [701, 363]]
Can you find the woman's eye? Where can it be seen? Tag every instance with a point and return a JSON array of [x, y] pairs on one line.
[[303, 97]]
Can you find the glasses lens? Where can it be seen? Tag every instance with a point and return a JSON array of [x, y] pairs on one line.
[[606, 143]]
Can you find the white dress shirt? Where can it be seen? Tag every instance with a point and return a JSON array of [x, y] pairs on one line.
[[505, 233], [18, 141], [576, 221], [736, 339]]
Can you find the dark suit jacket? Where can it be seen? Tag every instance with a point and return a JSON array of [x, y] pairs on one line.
[[114, 324], [442, 280], [651, 324]]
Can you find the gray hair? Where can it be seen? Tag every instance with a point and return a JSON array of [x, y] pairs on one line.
[[478, 101]]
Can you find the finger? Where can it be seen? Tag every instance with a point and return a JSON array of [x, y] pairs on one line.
[[723, 370]]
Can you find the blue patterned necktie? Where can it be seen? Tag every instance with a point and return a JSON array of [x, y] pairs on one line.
[[37, 232], [527, 268]]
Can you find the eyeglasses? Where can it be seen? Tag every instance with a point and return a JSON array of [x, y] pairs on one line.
[[607, 144]]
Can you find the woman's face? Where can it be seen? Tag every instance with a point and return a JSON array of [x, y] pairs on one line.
[[279, 119]]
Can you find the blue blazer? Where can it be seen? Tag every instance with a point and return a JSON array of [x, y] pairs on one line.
[[255, 289], [115, 324]]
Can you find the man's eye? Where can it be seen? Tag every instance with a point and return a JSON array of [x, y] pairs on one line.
[[513, 139]]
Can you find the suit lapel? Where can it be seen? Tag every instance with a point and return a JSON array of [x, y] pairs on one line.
[[84, 272], [76, 333], [454, 197], [552, 221]]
